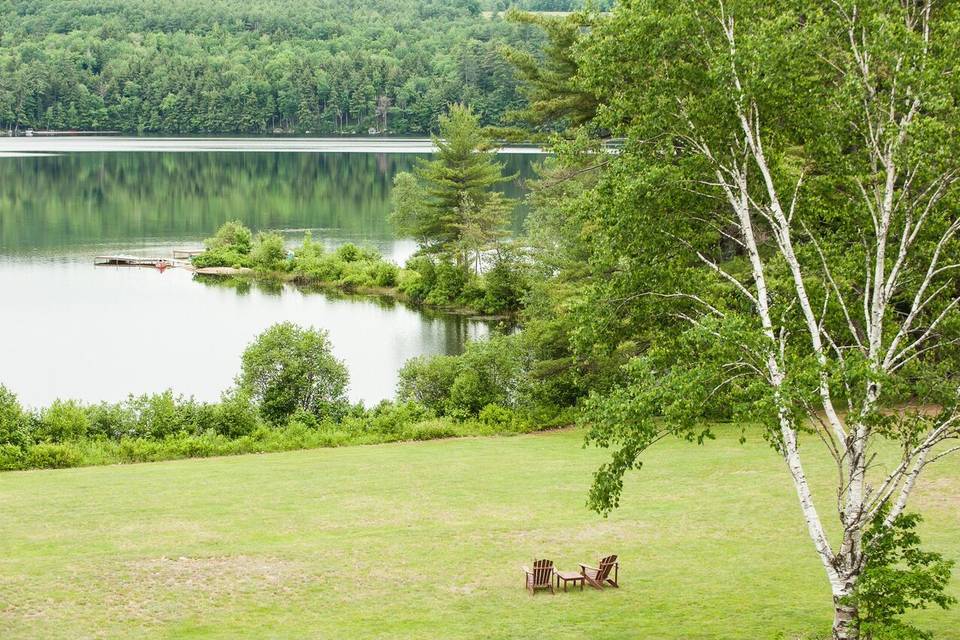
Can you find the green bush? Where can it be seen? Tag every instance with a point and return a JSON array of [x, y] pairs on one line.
[[52, 456], [388, 422], [418, 278], [288, 368], [14, 422], [389, 418], [222, 257], [160, 415], [349, 252], [498, 418], [507, 284], [230, 246], [352, 268], [385, 274], [356, 275], [431, 431], [428, 380], [12, 457], [269, 253], [349, 267], [232, 235], [111, 420], [410, 283], [233, 417], [490, 371], [318, 267], [449, 284], [63, 420]]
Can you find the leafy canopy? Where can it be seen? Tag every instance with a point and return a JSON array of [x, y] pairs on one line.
[[289, 368]]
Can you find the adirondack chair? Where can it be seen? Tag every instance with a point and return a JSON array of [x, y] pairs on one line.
[[597, 576], [540, 577]]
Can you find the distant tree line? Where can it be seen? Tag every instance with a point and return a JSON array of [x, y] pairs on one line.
[[253, 66]]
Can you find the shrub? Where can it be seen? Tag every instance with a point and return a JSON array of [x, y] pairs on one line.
[[411, 284], [222, 257], [349, 252], [431, 431], [355, 275], [13, 420], [449, 284], [269, 253], [473, 294], [318, 267], [52, 456], [469, 394], [428, 381], [233, 417], [161, 415], [231, 235], [390, 418], [12, 457], [230, 246], [62, 421], [507, 283], [499, 418], [385, 274], [111, 420], [418, 278], [289, 368]]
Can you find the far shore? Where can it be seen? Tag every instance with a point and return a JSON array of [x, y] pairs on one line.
[[81, 144]]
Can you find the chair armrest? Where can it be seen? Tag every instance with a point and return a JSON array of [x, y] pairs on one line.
[[583, 567], [527, 570]]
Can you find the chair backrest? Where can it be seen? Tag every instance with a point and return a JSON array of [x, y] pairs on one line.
[[542, 572], [605, 566]]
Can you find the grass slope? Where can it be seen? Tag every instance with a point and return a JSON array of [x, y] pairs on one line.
[[423, 540]]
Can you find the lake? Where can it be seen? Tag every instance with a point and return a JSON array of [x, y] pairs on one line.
[[72, 330]]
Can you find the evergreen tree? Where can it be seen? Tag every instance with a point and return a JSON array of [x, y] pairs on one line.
[[557, 94], [448, 204]]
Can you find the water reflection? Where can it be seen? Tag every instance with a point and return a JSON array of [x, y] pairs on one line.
[[68, 329], [63, 202]]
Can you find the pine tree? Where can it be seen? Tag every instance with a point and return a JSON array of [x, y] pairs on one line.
[[451, 196]]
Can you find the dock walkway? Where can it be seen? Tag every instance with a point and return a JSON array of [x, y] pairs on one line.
[[132, 261]]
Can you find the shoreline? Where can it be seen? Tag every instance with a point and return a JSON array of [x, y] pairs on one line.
[[117, 144], [246, 273]]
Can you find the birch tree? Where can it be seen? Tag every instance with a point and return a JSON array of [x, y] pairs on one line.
[[786, 208]]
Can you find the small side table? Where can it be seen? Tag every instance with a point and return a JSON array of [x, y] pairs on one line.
[[570, 576]]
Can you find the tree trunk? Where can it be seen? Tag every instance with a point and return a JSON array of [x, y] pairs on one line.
[[844, 619]]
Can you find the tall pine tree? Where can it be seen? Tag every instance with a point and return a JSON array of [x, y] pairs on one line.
[[448, 204]]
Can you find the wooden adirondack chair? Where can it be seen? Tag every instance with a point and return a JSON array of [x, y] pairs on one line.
[[597, 576], [540, 577]]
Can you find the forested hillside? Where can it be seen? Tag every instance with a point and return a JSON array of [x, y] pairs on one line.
[[254, 66]]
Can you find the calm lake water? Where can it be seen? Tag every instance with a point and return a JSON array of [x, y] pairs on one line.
[[72, 330]]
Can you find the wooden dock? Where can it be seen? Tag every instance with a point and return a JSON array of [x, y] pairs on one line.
[[133, 261], [186, 254]]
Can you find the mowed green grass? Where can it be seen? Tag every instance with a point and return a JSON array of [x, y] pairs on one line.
[[425, 540]]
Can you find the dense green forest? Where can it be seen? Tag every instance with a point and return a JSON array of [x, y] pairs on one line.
[[256, 66]]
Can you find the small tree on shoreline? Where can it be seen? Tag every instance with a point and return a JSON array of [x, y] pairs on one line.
[[289, 369], [448, 204]]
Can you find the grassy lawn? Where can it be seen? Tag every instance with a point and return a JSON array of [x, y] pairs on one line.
[[424, 540]]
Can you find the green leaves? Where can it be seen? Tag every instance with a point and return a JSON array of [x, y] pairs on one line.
[[899, 576], [288, 368], [448, 204]]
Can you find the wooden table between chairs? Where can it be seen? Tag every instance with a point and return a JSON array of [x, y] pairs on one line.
[[570, 576]]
